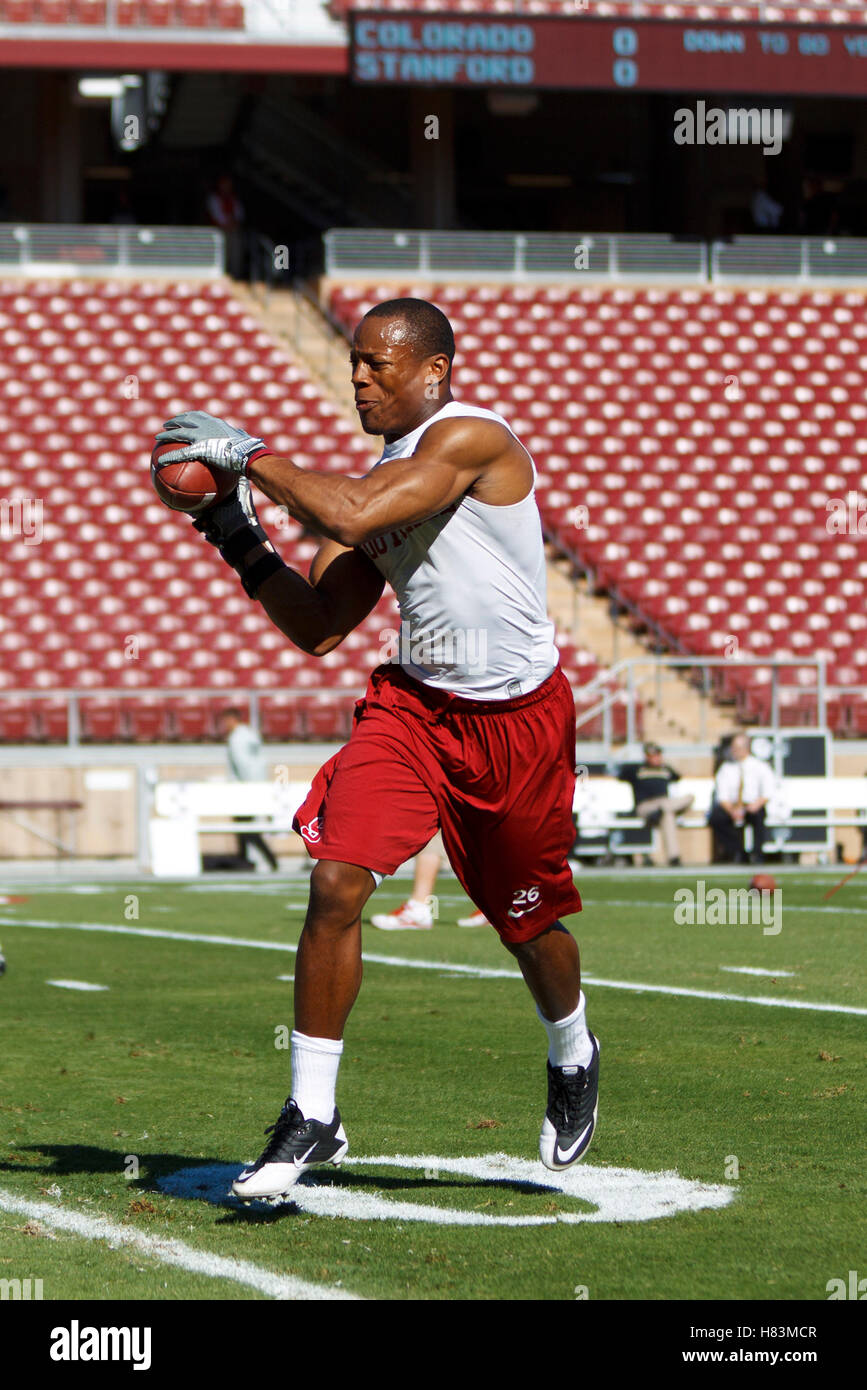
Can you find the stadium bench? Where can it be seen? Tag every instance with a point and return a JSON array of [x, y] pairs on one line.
[[604, 809], [182, 811]]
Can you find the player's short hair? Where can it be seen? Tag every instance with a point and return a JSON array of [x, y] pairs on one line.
[[429, 330], [232, 712]]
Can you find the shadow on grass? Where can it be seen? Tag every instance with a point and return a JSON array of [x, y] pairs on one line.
[[196, 1178]]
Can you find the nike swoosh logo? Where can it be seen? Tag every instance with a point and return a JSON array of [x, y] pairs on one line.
[[565, 1157], [523, 912], [304, 1157]]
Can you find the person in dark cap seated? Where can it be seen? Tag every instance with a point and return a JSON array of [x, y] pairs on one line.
[[651, 782]]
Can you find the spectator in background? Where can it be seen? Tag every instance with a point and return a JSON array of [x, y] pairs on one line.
[[742, 787], [417, 913], [650, 784], [226, 211], [766, 212], [247, 764]]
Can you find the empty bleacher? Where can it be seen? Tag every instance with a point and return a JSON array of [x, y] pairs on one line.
[[126, 14], [105, 590], [705, 432], [229, 14]]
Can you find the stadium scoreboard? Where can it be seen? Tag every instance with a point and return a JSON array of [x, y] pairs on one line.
[[463, 50]]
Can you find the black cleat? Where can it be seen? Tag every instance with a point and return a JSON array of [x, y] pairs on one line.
[[295, 1146], [570, 1119]]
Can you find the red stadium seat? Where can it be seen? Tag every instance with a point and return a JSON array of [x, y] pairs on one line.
[[147, 720], [193, 14], [229, 14], [191, 721], [326, 720], [102, 721], [87, 11], [18, 723], [857, 715], [19, 11], [157, 13], [282, 719], [53, 721]]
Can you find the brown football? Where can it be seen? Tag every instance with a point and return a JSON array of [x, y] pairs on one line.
[[763, 883], [192, 486]]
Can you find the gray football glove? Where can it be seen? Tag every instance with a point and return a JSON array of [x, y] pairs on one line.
[[211, 440]]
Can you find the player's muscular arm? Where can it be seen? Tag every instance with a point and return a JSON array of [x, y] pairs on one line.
[[454, 457], [317, 614]]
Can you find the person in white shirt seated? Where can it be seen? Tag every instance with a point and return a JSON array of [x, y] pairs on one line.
[[742, 787]]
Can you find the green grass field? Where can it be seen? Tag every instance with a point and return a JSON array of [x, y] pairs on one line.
[[178, 1064]]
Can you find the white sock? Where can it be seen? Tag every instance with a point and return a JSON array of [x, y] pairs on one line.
[[314, 1075], [569, 1043]]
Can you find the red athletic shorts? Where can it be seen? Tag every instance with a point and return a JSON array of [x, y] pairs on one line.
[[497, 776]]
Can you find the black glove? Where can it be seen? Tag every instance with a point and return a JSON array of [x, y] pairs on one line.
[[234, 528]]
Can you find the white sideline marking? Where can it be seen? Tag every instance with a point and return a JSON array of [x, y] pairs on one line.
[[74, 984], [756, 970], [170, 1252], [282, 885], [479, 972], [669, 906], [766, 1000], [285, 977], [616, 1194]]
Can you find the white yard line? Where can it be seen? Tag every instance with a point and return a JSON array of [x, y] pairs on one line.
[[767, 1001], [756, 970], [75, 984], [479, 972], [670, 906], [170, 1252]]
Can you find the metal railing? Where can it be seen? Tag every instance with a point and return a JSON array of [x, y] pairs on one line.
[[39, 248], [806, 260], [579, 257], [261, 21], [219, 700], [620, 684]]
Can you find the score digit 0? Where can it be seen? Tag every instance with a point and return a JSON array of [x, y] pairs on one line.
[[625, 44]]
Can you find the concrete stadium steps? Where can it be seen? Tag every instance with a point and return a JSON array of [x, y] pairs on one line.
[[306, 335], [671, 709]]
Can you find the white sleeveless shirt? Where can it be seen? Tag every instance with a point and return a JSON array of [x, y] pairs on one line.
[[471, 587]]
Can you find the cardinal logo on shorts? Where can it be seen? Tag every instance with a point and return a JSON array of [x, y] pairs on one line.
[[310, 831], [524, 901]]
